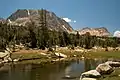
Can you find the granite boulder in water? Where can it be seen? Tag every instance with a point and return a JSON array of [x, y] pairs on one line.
[[104, 69]]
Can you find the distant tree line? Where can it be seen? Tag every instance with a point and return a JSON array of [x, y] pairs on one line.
[[41, 37]]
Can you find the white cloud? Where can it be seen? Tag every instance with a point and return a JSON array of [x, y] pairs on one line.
[[74, 21], [68, 20], [117, 34]]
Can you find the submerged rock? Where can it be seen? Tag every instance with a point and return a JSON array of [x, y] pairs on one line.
[[68, 77], [104, 69]]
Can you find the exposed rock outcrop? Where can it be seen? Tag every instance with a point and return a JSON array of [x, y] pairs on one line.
[[95, 31]]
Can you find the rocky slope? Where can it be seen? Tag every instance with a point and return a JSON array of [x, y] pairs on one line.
[[25, 16], [95, 31]]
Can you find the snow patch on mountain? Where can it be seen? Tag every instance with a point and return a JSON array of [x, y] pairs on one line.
[[28, 12]]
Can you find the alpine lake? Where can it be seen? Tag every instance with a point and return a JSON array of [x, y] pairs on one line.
[[59, 70]]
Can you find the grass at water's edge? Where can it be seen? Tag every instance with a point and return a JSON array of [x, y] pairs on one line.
[[69, 53], [93, 54], [37, 58], [34, 57], [104, 54]]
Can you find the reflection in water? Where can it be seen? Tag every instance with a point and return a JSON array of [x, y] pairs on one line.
[[47, 72], [74, 69], [92, 63]]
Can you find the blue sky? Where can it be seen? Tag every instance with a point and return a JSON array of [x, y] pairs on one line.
[[86, 13]]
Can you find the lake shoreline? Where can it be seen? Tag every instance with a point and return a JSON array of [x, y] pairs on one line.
[[49, 56], [46, 58]]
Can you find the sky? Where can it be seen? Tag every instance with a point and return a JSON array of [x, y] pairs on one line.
[[79, 13]]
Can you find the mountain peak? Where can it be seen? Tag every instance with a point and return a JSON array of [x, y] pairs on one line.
[[86, 28], [25, 16]]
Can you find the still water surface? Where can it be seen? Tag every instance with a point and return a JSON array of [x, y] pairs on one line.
[[56, 71]]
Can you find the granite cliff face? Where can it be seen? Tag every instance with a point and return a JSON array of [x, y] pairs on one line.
[[25, 16], [95, 31]]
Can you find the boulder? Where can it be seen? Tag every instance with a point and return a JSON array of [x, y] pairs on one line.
[[61, 55], [16, 60], [44, 54], [3, 54], [104, 69], [79, 50], [113, 64], [88, 79], [6, 55], [89, 75]]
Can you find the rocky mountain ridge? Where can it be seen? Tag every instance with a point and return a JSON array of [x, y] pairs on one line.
[[102, 31], [26, 16]]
